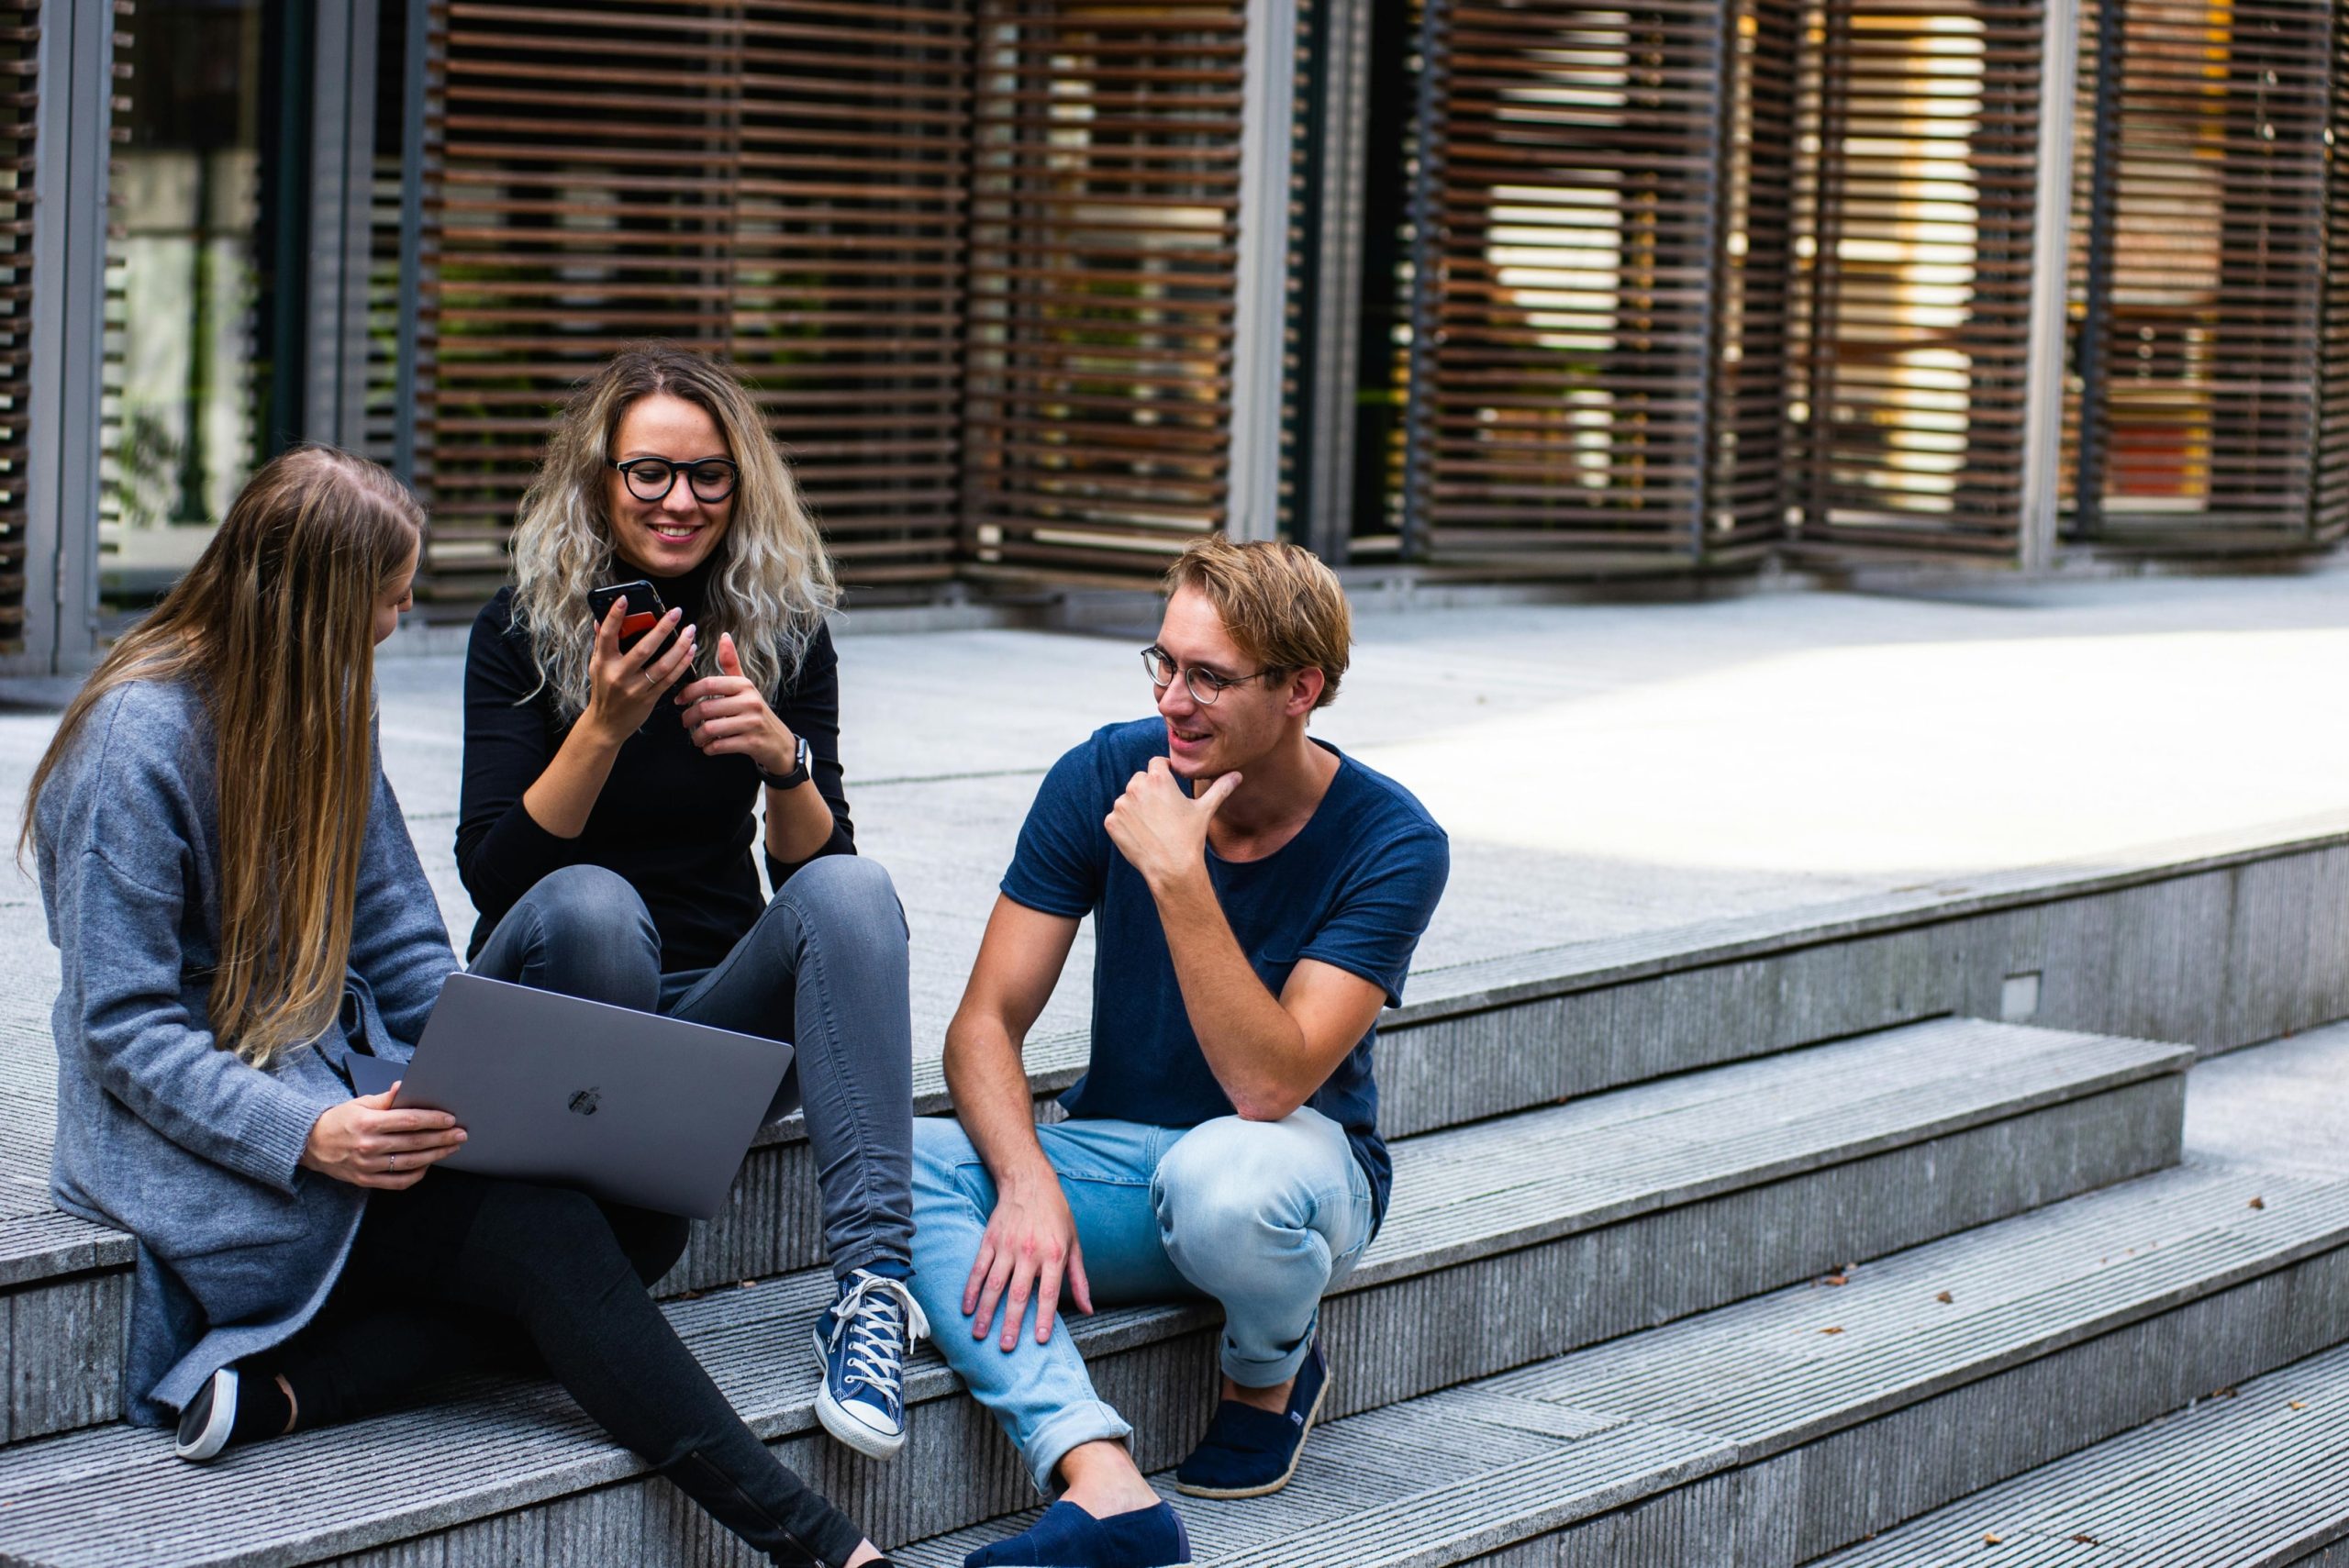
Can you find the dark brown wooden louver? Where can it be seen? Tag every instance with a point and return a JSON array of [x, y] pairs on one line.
[[1750, 486], [2330, 510], [2203, 191], [784, 182], [19, 103], [1914, 225], [1566, 297], [1104, 250]]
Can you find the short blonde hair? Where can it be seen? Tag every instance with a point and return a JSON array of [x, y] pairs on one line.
[[1278, 602]]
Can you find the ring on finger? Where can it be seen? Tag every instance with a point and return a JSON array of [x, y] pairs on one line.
[[393, 1163]]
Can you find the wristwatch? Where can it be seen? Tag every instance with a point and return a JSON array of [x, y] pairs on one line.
[[803, 764]]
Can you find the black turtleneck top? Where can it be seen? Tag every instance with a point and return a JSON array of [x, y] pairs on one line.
[[678, 825]]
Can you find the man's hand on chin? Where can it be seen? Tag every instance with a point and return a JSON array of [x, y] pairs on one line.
[[1161, 831]]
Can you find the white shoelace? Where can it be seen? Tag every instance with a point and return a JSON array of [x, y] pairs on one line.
[[875, 1315]]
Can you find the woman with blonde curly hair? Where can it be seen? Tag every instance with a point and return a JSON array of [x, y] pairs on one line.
[[610, 791]]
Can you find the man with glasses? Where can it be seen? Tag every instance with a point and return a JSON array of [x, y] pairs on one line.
[[1257, 897]]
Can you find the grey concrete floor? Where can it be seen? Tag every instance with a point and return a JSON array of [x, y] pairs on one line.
[[1603, 771], [2282, 1106]]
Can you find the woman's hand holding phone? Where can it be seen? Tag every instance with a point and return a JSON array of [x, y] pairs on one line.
[[627, 683], [368, 1143]]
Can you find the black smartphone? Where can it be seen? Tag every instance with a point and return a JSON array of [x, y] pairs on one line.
[[644, 607]]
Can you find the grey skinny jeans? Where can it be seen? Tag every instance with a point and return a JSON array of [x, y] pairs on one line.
[[823, 967]]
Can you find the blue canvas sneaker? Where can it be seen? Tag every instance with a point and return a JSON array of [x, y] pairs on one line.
[[1250, 1453], [862, 1340]]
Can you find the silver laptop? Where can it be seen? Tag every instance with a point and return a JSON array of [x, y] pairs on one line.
[[630, 1107]]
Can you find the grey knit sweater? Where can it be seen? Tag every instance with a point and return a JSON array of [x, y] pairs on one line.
[[160, 1132]]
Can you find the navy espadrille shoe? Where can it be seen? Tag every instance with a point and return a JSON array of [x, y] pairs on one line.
[[1250, 1453], [1068, 1536]]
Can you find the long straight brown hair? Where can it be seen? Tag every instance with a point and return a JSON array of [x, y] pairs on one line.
[[274, 626]]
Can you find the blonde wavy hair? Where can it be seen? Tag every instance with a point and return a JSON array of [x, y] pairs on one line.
[[274, 626], [773, 581]]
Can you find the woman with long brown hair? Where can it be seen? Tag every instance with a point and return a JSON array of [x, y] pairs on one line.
[[240, 911], [611, 799]]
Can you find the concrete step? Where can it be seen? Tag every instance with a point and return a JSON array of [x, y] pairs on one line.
[[1509, 1241], [2212, 942], [1768, 1433], [2256, 1476], [64, 1283], [1475, 1051], [2223, 941]]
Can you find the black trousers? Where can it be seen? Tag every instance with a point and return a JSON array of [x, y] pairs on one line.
[[460, 1271]]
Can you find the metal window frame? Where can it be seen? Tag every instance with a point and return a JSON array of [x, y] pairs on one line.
[[2045, 368], [1260, 314], [72, 146], [341, 198], [1331, 286], [67, 345]]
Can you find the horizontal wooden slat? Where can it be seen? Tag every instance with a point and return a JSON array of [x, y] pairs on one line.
[[784, 183], [1569, 278], [1103, 249], [2202, 218], [1913, 236]]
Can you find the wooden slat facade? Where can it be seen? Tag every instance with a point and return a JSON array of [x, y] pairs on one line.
[[1692, 279], [1103, 270], [1567, 294], [1914, 223], [786, 184], [19, 101], [2328, 500], [1688, 282], [2203, 210], [1751, 483]]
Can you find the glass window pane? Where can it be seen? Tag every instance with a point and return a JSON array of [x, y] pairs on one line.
[[187, 407]]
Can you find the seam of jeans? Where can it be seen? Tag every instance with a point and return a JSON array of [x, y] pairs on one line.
[[535, 945], [1088, 1166], [812, 971], [753, 1504]]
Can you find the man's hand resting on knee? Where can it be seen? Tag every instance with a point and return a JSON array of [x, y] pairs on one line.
[[1029, 1250]]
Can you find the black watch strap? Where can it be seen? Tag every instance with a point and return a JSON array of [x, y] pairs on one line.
[[803, 764]]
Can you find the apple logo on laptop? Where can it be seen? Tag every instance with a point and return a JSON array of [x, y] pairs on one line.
[[584, 1102]]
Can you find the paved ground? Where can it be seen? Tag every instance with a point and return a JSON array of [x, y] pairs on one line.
[[2279, 1106], [1603, 771]]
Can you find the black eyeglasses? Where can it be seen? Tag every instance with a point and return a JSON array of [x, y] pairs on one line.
[[651, 478], [1205, 685]]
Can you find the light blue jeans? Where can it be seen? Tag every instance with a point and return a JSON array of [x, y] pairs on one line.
[[1262, 1218]]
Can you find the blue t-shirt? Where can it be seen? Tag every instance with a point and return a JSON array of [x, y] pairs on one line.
[[1355, 888]]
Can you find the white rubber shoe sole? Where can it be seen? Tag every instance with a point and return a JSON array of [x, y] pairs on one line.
[[210, 1416]]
